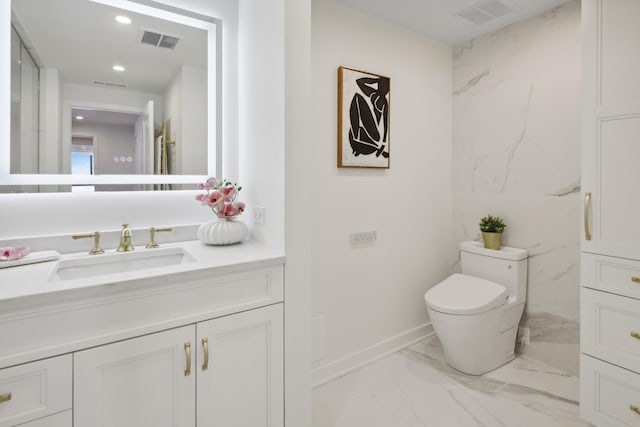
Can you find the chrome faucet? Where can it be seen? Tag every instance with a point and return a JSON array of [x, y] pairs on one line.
[[125, 239]]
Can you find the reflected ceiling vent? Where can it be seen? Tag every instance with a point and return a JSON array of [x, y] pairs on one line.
[[108, 84], [486, 11], [157, 39]]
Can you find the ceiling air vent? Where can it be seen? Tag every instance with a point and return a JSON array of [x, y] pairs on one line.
[[486, 11], [157, 39], [108, 84]]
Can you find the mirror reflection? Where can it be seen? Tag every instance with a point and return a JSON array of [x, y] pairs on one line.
[[96, 90]]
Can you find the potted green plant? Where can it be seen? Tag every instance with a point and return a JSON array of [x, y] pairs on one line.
[[492, 228]]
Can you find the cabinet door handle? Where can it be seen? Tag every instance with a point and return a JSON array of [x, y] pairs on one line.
[[635, 409], [205, 349], [635, 334], [187, 350], [587, 206], [635, 279], [5, 397]]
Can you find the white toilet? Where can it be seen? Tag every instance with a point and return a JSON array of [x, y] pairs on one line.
[[475, 314]]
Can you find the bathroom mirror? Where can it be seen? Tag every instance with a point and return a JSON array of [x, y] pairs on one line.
[[106, 94]]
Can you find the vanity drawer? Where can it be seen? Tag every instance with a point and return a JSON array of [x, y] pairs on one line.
[[611, 274], [610, 328], [35, 390], [609, 395], [126, 310]]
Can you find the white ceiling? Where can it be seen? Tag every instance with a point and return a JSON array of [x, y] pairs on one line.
[[81, 39], [437, 18]]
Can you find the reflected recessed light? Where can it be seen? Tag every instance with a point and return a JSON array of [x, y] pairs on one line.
[[123, 19], [118, 68], [79, 118]]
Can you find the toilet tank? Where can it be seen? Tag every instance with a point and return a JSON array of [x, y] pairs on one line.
[[507, 266]]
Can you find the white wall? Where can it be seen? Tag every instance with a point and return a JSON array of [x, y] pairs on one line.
[[111, 140], [185, 109], [194, 114], [171, 113], [297, 212], [261, 119], [369, 299], [516, 154], [50, 120], [90, 95]]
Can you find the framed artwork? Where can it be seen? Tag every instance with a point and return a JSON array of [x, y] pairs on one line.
[[363, 119]]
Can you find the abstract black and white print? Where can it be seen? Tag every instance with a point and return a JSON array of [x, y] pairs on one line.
[[363, 119]]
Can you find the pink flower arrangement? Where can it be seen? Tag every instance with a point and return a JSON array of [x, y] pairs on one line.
[[221, 198]]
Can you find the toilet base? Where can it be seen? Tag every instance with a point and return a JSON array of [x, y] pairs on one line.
[[479, 343], [485, 361]]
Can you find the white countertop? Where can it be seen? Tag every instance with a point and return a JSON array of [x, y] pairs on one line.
[[34, 280]]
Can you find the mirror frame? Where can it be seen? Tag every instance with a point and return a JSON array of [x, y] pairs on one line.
[[147, 7]]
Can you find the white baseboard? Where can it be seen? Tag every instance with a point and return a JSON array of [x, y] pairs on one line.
[[338, 368]]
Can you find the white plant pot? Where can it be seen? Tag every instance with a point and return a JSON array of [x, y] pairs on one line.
[[222, 231]]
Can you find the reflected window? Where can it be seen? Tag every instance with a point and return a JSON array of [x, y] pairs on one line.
[[81, 164]]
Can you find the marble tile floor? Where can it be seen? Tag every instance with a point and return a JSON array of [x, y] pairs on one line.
[[415, 388]]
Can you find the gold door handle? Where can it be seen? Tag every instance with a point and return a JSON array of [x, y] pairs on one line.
[[5, 397], [587, 206], [635, 335], [635, 409], [635, 279], [205, 349], [187, 350]]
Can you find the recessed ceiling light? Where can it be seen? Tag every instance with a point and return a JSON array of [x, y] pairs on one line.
[[79, 118], [123, 19], [118, 68]]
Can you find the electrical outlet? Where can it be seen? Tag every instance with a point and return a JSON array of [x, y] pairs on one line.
[[258, 215], [364, 236]]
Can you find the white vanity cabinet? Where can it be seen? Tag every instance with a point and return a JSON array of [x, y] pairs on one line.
[[240, 372], [147, 382], [610, 261], [235, 364], [36, 391], [203, 347]]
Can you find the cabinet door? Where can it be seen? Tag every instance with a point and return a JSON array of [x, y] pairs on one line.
[[240, 383], [611, 127], [142, 382]]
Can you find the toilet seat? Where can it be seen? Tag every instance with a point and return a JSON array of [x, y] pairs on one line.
[[463, 294]]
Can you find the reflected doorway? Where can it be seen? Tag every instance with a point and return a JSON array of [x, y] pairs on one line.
[[82, 160]]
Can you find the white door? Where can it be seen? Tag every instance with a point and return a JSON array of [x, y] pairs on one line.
[[240, 370], [142, 382], [611, 127]]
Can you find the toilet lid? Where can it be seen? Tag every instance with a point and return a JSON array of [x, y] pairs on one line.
[[462, 294]]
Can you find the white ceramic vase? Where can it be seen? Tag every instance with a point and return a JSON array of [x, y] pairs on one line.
[[223, 231]]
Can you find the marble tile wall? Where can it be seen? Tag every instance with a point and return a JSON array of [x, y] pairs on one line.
[[516, 154]]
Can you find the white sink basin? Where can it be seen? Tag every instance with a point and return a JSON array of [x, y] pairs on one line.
[[119, 262]]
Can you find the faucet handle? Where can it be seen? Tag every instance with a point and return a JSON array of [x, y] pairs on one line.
[[152, 236], [96, 242]]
